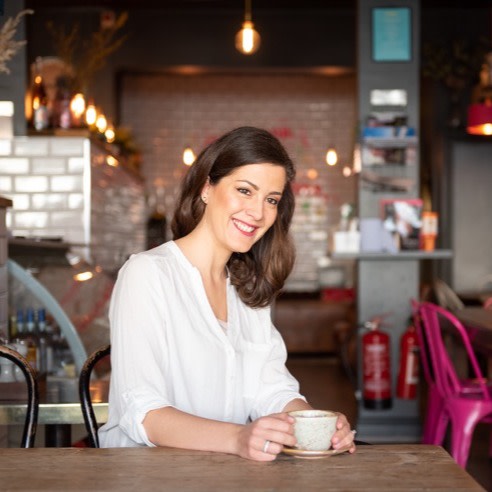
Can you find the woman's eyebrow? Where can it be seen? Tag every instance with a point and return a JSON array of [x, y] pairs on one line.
[[257, 187]]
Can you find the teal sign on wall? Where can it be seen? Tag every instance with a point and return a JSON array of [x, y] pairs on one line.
[[391, 34]]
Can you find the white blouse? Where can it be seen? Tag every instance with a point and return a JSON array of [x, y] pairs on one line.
[[168, 349]]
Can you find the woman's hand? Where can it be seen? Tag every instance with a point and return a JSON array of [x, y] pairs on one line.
[[344, 436], [264, 438]]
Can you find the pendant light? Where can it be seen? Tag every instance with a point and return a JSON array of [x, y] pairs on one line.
[[188, 156], [247, 39], [331, 156]]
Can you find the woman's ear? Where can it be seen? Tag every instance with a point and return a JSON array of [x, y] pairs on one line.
[[204, 192]]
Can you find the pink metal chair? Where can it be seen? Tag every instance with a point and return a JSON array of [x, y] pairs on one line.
[[463, 403], [434, 399]]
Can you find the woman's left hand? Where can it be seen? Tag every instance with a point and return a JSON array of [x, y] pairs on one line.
[[344, 436]]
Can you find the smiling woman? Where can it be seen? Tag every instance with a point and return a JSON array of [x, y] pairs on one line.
[[256, 273], [196, 361]]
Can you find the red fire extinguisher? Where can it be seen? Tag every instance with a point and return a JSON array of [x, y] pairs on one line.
[[376, 363], [408, 374]]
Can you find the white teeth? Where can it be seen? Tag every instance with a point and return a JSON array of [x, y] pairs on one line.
[[243, 227]]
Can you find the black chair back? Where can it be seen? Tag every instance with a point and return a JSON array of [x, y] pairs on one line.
[[31, 421], [85, 394]]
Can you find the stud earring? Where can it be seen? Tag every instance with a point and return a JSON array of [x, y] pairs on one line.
[[204, 199]]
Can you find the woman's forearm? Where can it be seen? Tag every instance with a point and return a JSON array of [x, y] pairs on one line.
[[297, 404], [174, 428]]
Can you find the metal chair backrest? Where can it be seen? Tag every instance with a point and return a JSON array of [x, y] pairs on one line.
[[85, 394], [423, 344], [435, 319], [31, 421]]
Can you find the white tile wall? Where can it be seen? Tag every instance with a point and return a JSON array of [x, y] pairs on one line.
[[43, 165], [5, 184], [56, 193], [5, 146], [27, 146], [30, 183], [14, 165]]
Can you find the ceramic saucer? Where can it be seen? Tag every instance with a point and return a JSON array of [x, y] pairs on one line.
[[312, 455]]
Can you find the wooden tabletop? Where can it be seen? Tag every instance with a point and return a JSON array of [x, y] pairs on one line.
[[377, 467]]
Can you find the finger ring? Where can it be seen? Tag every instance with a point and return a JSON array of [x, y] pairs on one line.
[[265, 446]]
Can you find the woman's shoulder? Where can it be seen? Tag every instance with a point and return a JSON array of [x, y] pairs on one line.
[[163, 257]]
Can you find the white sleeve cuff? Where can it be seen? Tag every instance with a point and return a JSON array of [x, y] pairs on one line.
[[137, 404]]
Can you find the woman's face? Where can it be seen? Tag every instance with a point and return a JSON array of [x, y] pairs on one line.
[[242, 206]]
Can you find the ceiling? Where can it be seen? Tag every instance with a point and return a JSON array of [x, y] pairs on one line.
[[179, 4], [237, 4]]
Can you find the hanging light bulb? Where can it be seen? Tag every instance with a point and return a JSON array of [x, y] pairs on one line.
[[110, 134], [331, 157], [188, 156], [101, 123], [91, 114], [247, 39]]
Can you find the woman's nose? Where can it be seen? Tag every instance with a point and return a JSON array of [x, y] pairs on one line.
[[255, 209]]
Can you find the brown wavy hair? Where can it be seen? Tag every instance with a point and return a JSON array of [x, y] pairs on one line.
[[259, 274]]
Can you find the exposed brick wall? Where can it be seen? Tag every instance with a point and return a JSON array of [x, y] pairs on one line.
[[167, 112]]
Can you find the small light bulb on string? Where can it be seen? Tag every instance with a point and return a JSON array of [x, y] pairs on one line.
[[188, 156], [312, 173], [111, 161], [101, 123], [347, 171], [110, 134], [331, 157], [91, 114], [77, 108]]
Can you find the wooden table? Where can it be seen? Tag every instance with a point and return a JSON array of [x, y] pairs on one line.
[[478, 322], [377, 467]]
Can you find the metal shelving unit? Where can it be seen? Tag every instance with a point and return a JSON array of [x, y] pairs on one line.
[[387, 282]]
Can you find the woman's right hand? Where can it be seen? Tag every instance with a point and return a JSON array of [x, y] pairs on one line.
[[264, 439]]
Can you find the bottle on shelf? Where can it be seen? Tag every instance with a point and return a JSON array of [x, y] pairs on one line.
[[62, 116], [19, 324], [31, 340], [20, 343], [12, 327], [39, 102], [45, 344]]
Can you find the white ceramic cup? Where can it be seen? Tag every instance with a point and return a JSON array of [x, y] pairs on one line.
[[314, 429]]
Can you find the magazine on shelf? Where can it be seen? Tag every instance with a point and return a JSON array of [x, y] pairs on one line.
[[403, 219]]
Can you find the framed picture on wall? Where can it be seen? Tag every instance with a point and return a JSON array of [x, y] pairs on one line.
[[402, 218], [391, 34]]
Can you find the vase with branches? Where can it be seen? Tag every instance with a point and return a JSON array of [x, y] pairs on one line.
[[8, 45], [85, 57]]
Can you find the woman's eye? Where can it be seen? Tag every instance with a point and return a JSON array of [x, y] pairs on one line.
[[244, 191], [272, 201]]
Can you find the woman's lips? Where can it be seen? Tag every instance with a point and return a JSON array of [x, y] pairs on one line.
[[246, 229]]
